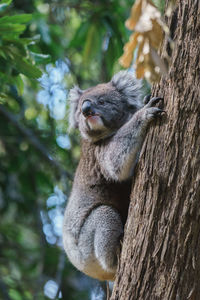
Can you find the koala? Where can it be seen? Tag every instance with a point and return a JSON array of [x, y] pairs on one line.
[[112, 119]]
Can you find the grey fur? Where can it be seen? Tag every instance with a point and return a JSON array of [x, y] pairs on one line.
[[128, 85], [111, 141], [74, 96]]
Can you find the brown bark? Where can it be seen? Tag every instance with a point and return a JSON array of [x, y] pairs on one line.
[[161, 250]]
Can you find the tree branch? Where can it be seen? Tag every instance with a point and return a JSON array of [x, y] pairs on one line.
[[35, 142]]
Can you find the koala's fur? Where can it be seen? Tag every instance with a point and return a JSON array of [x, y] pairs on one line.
[[111, 141]]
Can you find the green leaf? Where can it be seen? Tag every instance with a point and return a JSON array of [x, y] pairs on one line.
[[19, 84], [40, 58], [93, 43], [31, 41], [112, 54], [3, 98], [22, 64], [80, 35], [23, 18], [11, 29], [4, 4], [6, 78], [15, 46], [22, 41], [110, 57], [26, 68], [15, 295], [3, 54]]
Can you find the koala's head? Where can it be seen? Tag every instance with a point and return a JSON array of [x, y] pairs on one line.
[[100, 111]]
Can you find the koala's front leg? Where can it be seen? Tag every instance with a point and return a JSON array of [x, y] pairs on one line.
[[118, 158]]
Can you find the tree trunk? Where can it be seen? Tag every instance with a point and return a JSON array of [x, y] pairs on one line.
[[161, 250]]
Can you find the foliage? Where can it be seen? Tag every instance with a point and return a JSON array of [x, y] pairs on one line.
[[15, 58], [148, 34], [45, 48]]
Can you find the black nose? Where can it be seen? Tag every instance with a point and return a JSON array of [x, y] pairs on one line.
[[87, 109]]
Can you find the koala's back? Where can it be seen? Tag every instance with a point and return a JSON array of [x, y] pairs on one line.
[[91, 193]]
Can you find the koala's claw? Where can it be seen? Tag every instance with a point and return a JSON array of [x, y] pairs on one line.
[[154, 101], [147, 99], [160, 112], [153, 112]]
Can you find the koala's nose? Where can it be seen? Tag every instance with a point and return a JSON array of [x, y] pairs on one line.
[[87, 109]]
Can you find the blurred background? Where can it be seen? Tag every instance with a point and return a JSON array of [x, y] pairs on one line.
[[46, 47]]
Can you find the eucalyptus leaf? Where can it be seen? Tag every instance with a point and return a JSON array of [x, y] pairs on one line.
[[40, 58], [23, 18], [19, 84], [11, 29], [22, 64], [93, 43], [5, 78], [80, 35], [26, 68]]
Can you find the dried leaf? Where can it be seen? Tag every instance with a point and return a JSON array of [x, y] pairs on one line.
[[133, 40], [126, 59], [135, 14], [149, 13], [145, 19], [156, 35], [140, 70], [140, 55], [158, 61]]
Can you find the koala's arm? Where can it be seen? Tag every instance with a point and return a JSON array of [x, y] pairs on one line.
[[118, 157]]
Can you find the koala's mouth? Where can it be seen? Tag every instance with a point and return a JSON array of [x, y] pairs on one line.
[[93, 117], [94, 121]]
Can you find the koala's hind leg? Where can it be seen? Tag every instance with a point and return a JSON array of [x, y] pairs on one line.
[[108, 233]]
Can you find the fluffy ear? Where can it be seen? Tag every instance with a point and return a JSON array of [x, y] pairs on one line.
[[126, 83], [74, 96]]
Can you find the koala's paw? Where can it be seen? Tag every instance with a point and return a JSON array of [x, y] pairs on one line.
[[152, 112], [146, 99]]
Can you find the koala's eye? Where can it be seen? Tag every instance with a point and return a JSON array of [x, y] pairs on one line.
[[101, 102]]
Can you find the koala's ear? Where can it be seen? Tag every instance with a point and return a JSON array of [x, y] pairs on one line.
[[130, 87], [74, 97]]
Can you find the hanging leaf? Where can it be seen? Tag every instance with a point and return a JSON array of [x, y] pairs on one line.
[[126, 59], [139, 71], [145, 19], [136, 12], [23, 18], [21, 63], [11, 29], [158, 61], [156, 35], [110, 56], [26, 68], [92, 44], [19, 84], [40, 58], [80, 35]]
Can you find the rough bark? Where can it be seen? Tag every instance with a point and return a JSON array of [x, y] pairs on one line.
[[161, 250]]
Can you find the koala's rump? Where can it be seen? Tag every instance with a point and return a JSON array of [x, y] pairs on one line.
[[79, 246], [82, 203]]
